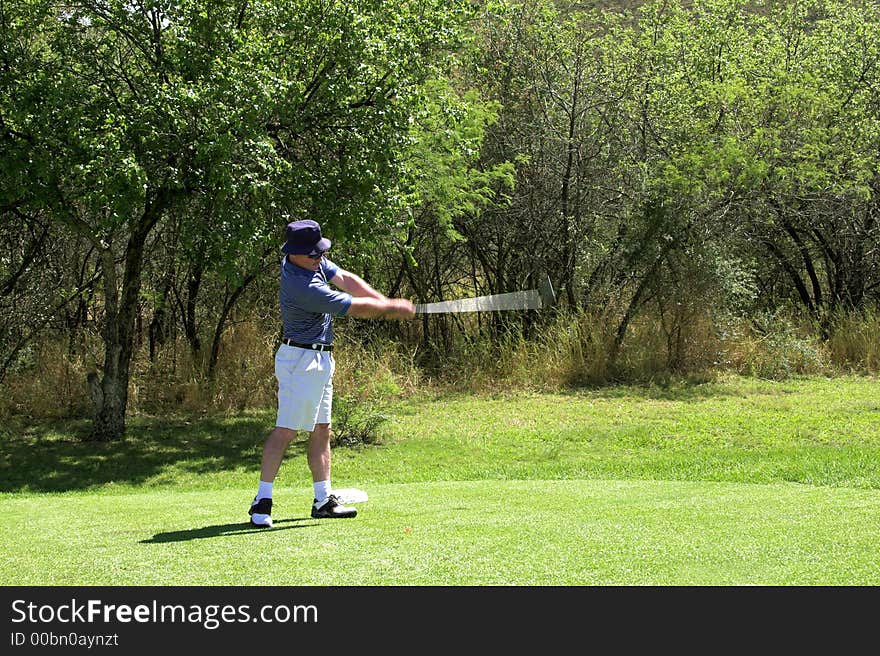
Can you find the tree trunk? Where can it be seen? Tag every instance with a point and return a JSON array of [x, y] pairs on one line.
[[108, 401], [634, 304], [190, 329], [110, 396], [229, 303], [796, 280], [159, 325]]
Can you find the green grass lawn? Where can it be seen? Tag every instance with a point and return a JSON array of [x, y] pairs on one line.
[[731, 483]]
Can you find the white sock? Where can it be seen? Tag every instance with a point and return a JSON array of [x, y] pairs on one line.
[[265, 491], [322, 490]]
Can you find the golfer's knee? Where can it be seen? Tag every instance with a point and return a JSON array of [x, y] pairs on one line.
[[282, 435]]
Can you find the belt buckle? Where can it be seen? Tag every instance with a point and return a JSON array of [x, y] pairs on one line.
[[316, 347]]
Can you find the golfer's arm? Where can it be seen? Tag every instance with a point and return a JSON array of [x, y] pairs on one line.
[[365, 307], [354, 285]]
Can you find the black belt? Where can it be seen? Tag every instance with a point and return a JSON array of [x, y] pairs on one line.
[[311, 347]]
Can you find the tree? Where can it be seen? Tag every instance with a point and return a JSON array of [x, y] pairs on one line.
[[114, 114]]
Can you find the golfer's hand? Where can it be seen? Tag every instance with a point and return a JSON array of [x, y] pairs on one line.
[[402, 309]]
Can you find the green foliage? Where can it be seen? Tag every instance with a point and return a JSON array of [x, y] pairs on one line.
[[356, 422], [781, 351], [658, 150], [446, 139], [249, 118], [198, 130], [676, 167]]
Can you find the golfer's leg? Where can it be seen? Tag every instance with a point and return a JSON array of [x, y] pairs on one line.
[[319, 438], [319, 453], [325, 504], [273, 452]]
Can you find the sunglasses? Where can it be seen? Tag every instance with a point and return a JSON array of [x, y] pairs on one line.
[[316, 256]]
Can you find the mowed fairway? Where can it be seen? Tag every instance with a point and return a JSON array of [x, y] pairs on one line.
[[736, 483]]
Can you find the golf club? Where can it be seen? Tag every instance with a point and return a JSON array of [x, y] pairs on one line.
[[531, 299]]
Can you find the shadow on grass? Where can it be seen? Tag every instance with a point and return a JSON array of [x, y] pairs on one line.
[[225, 530], [54, 457], [676, 390]]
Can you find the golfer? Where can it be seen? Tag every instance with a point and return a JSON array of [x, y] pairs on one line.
[[304, 362]]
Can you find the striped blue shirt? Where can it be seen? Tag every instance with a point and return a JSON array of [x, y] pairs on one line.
[[308, 303]]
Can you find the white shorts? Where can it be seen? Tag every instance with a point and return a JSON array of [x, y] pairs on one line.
[[305, 387]]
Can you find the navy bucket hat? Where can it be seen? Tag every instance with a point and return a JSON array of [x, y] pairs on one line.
[[304, 238]]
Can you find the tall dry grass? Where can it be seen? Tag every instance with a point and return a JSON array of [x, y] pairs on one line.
[[566, 351], [50, 384], [245, 374], [854, 344]]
